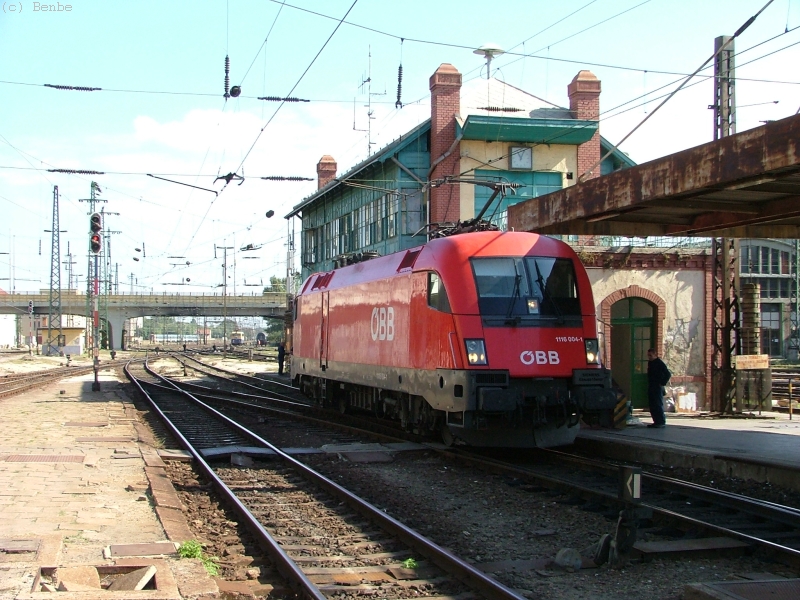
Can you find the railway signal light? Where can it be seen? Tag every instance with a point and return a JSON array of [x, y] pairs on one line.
[[96, 226]]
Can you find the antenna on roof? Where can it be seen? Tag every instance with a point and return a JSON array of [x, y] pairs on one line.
[[489, 51]]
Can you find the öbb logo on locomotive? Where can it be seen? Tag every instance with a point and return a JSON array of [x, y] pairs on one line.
[[540, 357], [381, 324]]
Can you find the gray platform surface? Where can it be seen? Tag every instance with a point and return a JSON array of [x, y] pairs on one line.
[[771, 438]]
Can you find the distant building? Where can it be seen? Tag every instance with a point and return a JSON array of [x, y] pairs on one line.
[[772, 264], [8, 328]]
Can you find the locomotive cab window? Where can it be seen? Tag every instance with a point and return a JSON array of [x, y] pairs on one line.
[[554, 280], [437, 296], [526, 287]]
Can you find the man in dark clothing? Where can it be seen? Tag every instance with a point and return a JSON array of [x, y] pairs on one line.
[[657, 377], [281, 357]]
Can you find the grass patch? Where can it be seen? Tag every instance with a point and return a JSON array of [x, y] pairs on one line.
[[194, 549]]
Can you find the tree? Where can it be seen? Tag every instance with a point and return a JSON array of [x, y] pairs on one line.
[[274, 330], [276, 284]]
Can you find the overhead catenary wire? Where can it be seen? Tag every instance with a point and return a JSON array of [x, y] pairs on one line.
[[264, 43], [302, 76], [722, 47], [507, 53], [616, 114]]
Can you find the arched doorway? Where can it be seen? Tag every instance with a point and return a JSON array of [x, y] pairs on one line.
[[633, 331]]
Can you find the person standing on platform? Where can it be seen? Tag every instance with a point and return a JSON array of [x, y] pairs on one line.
[[281, 356], [658, 376]]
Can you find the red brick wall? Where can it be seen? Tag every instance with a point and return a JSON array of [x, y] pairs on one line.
[[584, 102], [445, 86], [326, 171]]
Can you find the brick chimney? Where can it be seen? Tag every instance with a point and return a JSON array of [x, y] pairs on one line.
[[584, 102], [445, 86], [326, 171]]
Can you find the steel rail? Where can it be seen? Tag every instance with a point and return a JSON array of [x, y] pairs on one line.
[[438, 555], [16, 385], [782, 514], [285, 565], [352, 423], [271, 382], [787, 515], [794, 554]]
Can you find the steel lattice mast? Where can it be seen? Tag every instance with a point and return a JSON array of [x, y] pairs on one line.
[[54, 311]]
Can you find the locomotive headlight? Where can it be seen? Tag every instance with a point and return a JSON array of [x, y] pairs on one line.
[[592, 351], [476, 352]]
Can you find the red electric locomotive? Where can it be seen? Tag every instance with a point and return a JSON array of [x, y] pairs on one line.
[[488, 337]]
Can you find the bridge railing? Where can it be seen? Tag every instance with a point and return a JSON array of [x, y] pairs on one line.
[[40, 299]]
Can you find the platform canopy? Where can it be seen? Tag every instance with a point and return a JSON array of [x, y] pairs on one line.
[[746, 185]]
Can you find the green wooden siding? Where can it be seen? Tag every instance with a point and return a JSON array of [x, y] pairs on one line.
[[535, 184], [378, 210]]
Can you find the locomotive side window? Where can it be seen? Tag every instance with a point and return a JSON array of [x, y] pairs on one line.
[[526, 287], [437, 296]]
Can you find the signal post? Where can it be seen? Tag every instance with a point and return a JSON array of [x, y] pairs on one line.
[[96, 244]]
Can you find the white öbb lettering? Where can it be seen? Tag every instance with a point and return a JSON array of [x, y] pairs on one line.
[[539, 357], [381, 324]]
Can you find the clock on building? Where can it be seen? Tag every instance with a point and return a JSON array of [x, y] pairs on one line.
[[520, 158]]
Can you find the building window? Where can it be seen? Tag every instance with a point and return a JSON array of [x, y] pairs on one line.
[[771, 336], [310, 246], [764, 261], [533, 184], [413, 208], [345, 242], [771, 287]]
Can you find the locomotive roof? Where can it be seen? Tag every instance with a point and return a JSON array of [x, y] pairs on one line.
[[448, 255]]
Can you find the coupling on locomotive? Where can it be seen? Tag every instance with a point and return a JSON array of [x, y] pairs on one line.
[[488, 338]]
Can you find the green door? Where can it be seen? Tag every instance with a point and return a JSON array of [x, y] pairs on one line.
[[632, 333]]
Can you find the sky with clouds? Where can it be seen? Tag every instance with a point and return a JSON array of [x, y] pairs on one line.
[[161, 111]]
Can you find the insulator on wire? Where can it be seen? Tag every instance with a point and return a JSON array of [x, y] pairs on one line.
[[500, 109], [279, 99], [73, 88], [399, 104], [286, 178], [227, 78]]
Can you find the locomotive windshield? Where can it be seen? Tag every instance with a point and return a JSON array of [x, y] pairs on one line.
[[522, 288]]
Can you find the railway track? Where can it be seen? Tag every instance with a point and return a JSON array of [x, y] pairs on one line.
[[696, 510], [18, 383], [322, 538], [683, 509], [786, 389], [276, 392]]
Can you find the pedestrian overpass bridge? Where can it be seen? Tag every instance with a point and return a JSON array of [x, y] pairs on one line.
[[128, 306]]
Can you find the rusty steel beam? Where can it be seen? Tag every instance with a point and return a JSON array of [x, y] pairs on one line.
[[759, 157], [778, 210]]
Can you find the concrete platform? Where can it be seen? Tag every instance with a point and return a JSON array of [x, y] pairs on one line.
[[763, 448], [75, 472]]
